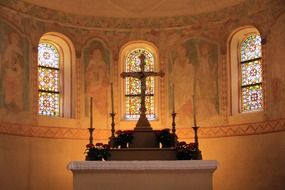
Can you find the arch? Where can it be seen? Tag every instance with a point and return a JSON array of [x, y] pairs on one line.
[[67, 71], [123, 55], [235, 74]]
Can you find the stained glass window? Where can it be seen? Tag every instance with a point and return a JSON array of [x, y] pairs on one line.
[[133, 86], [48, 79], [251, 74]]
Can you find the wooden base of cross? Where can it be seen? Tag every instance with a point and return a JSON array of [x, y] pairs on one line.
[[143, 123]]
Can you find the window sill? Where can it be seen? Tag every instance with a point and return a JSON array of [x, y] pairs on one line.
[[250, 117]]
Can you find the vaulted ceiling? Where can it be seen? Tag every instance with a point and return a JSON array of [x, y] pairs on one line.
[[135, 8]]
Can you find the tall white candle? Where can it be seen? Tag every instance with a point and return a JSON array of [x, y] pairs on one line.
[[112, 98], [91, 112], [194, 110]]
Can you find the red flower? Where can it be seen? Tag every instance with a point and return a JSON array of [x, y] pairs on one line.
[[89, 145], [106, 146], [99, 144], [182, 143], [191, 146], [128, 132]]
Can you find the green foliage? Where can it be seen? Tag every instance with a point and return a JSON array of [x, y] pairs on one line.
[[165, 138], [123, 138], [98, 152], [185, 151]]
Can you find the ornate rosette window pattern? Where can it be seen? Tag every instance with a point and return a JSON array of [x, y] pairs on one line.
[[48, 79], [251, 74], [133, 86]]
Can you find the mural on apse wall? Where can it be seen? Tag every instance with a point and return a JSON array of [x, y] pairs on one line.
[[276, 49], [97, 81], [14, 69], [193, 68]]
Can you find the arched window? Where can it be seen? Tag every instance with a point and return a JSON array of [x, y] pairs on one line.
[[55, 76], [246, 71], [49, 74], [132, 87], [251, 73]]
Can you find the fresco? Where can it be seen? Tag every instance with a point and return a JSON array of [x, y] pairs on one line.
[[193, 71], [97, 80], [235, 12], [14, 69], [276, 67]]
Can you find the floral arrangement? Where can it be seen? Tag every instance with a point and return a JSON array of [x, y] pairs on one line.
[[123, 138], [165, 138], [185, 151], [99, 151]]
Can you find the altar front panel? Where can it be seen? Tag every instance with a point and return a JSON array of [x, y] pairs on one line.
[[142, 175]]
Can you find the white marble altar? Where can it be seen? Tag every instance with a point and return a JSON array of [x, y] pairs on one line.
[[142, 175]]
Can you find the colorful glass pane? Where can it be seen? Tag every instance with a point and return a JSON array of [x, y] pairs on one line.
[[149, 85], [133, 85], [48, 55], [48, 104], [48, 79], [251, 47], [133, 107], [251, 72], [252, 98], [133, 61], [149, 102]]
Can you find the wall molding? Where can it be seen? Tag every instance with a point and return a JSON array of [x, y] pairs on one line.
[[257, 128]]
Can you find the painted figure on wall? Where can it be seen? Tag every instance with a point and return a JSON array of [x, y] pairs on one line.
[[14, 69], [193, 71], [206, 82], [97, 82], [182, 76], [276, 48], [12, 65], [96, 73]]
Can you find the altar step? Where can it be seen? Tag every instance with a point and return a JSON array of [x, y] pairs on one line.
[[143, 154]]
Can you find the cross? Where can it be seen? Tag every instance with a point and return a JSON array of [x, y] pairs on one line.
[[143, 123]]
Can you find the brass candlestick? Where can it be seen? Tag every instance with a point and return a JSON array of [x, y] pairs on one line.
[[112, 138], [197, 154], [91, 129], [91, 135], [174, 129]]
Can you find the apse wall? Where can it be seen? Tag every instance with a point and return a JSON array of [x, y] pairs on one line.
[[245, 162], [249, 147]]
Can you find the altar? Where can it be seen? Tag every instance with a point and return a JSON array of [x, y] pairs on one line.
[[143, 175], [135, 159]]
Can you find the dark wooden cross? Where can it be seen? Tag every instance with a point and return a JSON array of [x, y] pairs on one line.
[[143, 123]]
